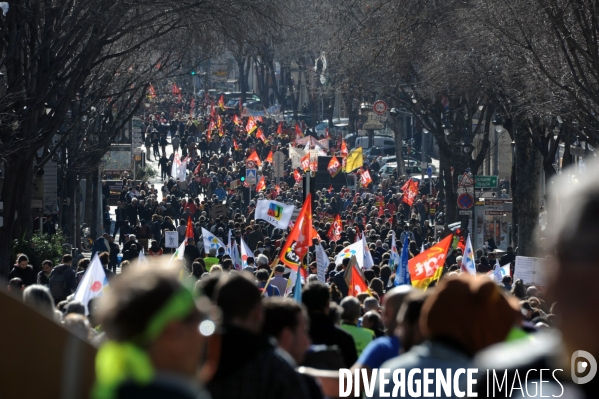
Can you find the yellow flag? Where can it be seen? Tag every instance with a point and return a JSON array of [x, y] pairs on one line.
[[354, 160]]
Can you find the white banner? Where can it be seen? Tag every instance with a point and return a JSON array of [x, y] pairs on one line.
[[295, 154], [245, 253], [171, 239], [356, 249], [322, 262], [211, 242], [274, 212]]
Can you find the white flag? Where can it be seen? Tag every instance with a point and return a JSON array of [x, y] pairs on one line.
[[175, 166], [394, 259], [322, 262], [235, 257], [356, 249], [368, 261], [245, 253], [497, 272], [211, 241], [274, 212], [468, 264], [142, 260], [182, 170], [93, 284]]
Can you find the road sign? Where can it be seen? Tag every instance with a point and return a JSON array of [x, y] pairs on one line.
[[465, 181], [250, 176], [374, 117], [249, 164], [278, 159], [380, 107], [373, 126], [485, 181], [465, 201], [469, 213]]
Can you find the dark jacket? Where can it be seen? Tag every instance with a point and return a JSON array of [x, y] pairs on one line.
[[251, 368], [69, 282], [26, 275], [324, 332], [339, 280]]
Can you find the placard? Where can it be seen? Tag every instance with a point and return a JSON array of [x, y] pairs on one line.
[[532, 271], [171, 239], [218, 210]]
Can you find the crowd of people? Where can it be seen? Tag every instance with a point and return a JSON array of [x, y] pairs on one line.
[[252, 347]]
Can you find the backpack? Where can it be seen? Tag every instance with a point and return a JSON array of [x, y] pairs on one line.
[[58, 284]]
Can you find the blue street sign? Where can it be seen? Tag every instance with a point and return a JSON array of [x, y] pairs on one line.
[[250, 176], [429, 172]]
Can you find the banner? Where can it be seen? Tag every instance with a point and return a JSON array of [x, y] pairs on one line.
[[356, 249], [322, 262], [428, 265], [296, 154], [276, 213], [93, 284]]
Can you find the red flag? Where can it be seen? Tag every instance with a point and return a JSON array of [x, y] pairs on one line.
[[357, 283], [300, 239], [198, 168], [211, 125], [410, 191], [259, 119], [269, 157], [334, 166], [175, 90], [365, 179], [313, 164], [427, 266], [297, 175], [330, 190], [305, 162], [278, 189], [254, 157], [251, 125], [344, 150], [260, 135], [334, 232], [235, 145], [298, 131], [261, 184], [221, 102], [237, 120], [189, 229], [280, 128], [192, 104], [381, 211], [152, 91]]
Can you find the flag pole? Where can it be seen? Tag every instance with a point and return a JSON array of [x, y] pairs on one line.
[[272, 273]]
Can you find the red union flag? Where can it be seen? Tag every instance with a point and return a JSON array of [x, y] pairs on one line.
[[428, 265], [313, 164], [251, 125], [299, 239], [261, 184], [269, 157], [344, 150], [237, 121], [254, 157], [334, 232], [297, 175], [334, 166], [221, 102], [298, 132], [365, 179], [260, 135], [410, 190], [305, 162]]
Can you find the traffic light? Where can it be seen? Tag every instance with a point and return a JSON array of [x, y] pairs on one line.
[[192, 73], [242, 179]]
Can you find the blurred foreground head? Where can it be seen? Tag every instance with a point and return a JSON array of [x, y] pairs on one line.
[[573, 238]]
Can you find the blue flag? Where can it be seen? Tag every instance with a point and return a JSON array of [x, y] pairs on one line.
[[402, 275], [297, 291]]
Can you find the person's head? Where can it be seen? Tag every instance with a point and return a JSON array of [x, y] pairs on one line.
[[67, 259], [316, 298], [491, 315], [240, 302], [262, 276], [372, 321], [39, 297], [279, 270], [75, 307], [261, 261], [408, 327], [391, 303], [371, 304], [22, 261], [351, 310], [285, 320], [105, 257], [47, 266], [152, 310]]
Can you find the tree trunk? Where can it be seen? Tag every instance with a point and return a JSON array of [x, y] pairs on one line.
[[529, 163], [397, 126], [87, 202]]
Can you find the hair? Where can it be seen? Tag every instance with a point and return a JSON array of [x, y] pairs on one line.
[[78, 325], [237, 296], [518, 289], [377, 286], [83, 264], [48, 262], [105, 257], [22, 258], [369, 275], [335, 312], [227, 264], [16, 283], [316, 297], [312, 278], [262, 275], [207, 284], [261, 260], [67, 258], [279, 314], [132, 301], [351, 309], [39, 297], [197, 269], [409, 316], [370, 303], [335, 293], [75, 307]]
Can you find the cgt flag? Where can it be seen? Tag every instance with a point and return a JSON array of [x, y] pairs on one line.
[[365, 178], [334, 166], [269, 157], [335, 230], [274, 212], [251, 125], [410, 189], [261, 184], [428, 266], [300, 239], [254, 157]]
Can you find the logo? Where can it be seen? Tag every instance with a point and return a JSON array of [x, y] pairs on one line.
[[275, 211], [347, 253], [578, 366]]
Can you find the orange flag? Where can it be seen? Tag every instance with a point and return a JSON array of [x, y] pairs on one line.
[[305, 162], [297, 175], [410, 189], [237, 121], [334, 232], [365, 179], [300, 239], [261, 184], [189, 229], [221, 102], [280, 129], [260, 135], [330, 190], [251, 125], [298, 131], [344, 150], [235, 145], [254, 157], [356, 282], [428, 265], [334, 166], [269, 157]]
